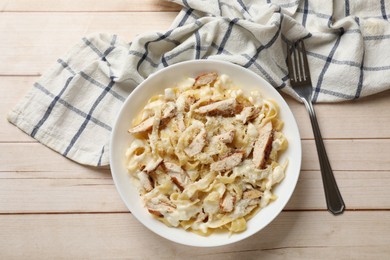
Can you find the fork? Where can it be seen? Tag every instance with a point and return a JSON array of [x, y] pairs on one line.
[[299, 75]]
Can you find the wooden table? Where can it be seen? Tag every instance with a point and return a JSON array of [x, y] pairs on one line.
[[51, 207]]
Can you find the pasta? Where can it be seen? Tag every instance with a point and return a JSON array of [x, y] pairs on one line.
[[205, 155]]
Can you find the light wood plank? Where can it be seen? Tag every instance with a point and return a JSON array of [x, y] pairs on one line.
[[82, 173], [59, 195], [44, 192], [293, 235], [364, 118], [342, 120], [360, 155], [11, 91], [87, 6], [31, 42], [370, 154], [35, 157], [360, 190], [34, 179]]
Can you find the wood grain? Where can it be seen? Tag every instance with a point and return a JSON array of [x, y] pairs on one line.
[[31, 42], [293, 235], [87, 6], [51, 207], [365, 118], [366, 190], [8, 99]]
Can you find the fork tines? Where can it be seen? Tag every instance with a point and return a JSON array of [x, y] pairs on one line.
[[298, 66]]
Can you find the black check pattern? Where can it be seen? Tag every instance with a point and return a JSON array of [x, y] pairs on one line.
[[72, 107]]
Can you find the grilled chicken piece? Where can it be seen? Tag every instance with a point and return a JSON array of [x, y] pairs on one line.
[[152, 165], [143, 126], [160, 205], [205, 79], [178, 180], [172, 167], [168, 112], [190, 100], [248, 114], [226, 138], [263, 146], [180, 122], [177, 174], [252, 194], [145, 181], [247, 206], [197, 144], [227, 163], [226, 107], [227, 202]]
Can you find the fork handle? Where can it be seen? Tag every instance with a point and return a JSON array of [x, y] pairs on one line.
[[334, 201]]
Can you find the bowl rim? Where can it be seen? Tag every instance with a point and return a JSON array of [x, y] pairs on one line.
[[205, 61]]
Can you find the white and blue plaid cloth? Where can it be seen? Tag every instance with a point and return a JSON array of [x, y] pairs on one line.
[[72, 107]]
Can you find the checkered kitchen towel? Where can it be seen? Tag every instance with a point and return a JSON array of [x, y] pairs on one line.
[[72, 107]]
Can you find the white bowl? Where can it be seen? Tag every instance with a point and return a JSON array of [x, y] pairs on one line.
[[155, 84]]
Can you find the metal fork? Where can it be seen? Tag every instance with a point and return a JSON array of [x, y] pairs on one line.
[[300, 81]]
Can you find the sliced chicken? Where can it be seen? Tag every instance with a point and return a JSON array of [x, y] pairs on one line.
[[252, 194], [227, 202], [143, 126], [245, 206], [160, 205], [145, 181], [172, 167], [227, 163], [253, 134], [168, 112], [180, 122], [190, 100], [205, 79], [197, 144], [152, 165], [226, 138], [225, 107], [177, 174], [248, 114], [185, 101], [263, 146]]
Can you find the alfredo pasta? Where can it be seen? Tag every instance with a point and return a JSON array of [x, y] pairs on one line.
[[205, 155]]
